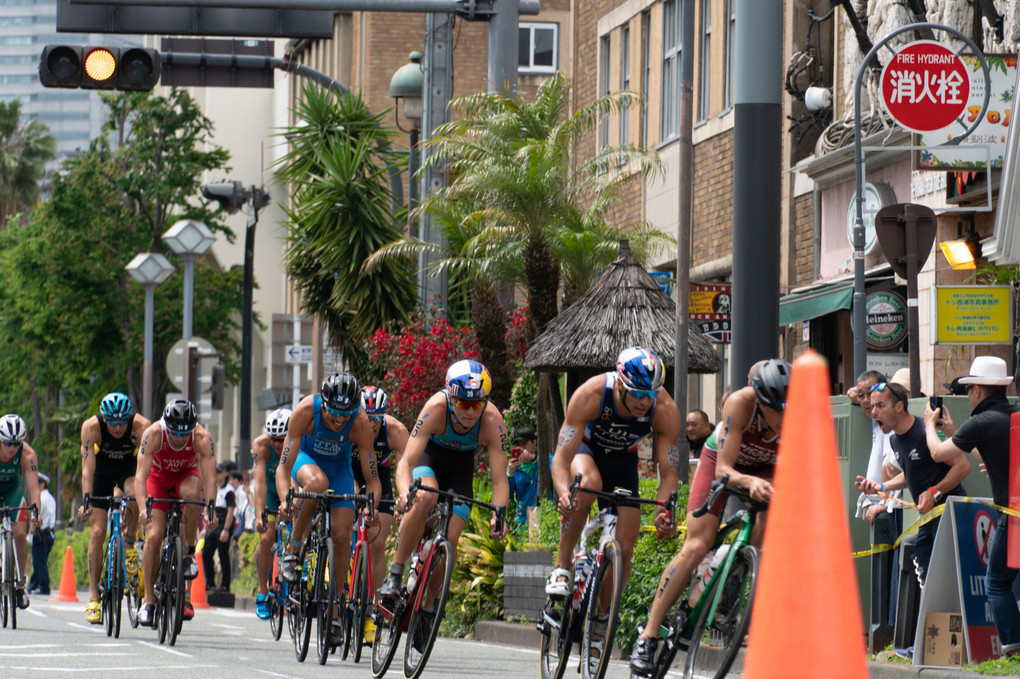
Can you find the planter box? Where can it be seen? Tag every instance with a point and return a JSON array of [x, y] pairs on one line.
[[524, 577]]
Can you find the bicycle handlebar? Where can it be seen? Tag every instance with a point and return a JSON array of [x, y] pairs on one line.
[[329, 495], [452, 497], [720, 486], [209, 505], [622, 496], [92, 499]]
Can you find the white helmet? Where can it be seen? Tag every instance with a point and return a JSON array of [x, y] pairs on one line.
[[12, 428], [277, 421]]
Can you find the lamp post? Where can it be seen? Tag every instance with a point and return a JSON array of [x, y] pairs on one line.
[[190, 239], [406, 87], [150, 269]]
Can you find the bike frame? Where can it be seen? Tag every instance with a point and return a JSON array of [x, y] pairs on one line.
[[360, 541]]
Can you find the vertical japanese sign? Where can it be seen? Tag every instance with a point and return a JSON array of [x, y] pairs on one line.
[[925, 87]]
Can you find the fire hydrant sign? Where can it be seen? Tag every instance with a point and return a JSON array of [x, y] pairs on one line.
[[925, 87]]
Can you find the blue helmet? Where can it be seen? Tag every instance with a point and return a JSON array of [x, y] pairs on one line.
[[115, 406], [640, 369], [468, 380]]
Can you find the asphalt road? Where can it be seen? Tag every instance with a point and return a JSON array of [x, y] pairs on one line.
[[53, 640]]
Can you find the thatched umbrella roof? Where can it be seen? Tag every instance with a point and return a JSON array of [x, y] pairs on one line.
[[623, 308]]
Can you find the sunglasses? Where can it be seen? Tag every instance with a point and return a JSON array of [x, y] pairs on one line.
[[180, 434], [115, 423], [467, 405], [277, 439], [8, 443], [638, 393], [376, 418], [339, 412], [877, 387]]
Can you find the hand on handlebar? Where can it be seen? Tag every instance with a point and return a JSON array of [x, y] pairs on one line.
[[760, 490]]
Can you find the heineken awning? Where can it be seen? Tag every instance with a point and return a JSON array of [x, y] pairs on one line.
[[804, 306]]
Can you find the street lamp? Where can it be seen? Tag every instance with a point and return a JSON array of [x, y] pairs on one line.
[[150, 269], [190, 239], [406, 88]]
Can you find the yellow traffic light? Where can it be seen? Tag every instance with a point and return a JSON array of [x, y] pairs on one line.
[[100, 68]]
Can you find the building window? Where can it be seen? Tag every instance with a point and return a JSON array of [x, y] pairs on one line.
[[625, 82], [731, 25], [538, 48], [646, 71], [670, 70], [705, 56], [604, 90]]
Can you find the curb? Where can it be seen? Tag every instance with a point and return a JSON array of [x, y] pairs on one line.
[[513, 634]]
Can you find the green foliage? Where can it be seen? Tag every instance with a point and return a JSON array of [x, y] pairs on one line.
[[523, 400], [25, 148], [245, 579], [337, 167], [1002, 667], [79, 543], [548, 536]]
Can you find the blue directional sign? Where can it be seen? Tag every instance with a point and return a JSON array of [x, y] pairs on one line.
[[299, 353]]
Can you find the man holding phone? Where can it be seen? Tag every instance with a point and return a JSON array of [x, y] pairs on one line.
[[522, 471]]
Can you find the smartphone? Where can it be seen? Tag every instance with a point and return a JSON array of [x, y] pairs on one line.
[[936, 403], [515, 453]]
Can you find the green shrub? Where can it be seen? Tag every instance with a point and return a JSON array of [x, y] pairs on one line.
[[245, 580]]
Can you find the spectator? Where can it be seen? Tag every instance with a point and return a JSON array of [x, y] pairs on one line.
[[42, 539], [522, 472], [242, 501], [698, 430], [217, 539], [987, 431]]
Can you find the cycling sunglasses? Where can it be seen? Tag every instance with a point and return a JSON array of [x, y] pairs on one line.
[[467, 405], [881, 386], [339, 412], [639, 393], [115, 423], [376, 418], [9, 443]]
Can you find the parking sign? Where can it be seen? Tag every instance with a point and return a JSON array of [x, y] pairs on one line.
[[925, 87]]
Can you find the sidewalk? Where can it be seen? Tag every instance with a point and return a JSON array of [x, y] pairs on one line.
[[514, 634]]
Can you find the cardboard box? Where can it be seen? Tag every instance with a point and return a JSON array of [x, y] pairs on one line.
[[943, 639]]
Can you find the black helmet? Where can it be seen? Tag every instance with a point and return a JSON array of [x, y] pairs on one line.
[[341, 391], [771, 382], [180, 416]]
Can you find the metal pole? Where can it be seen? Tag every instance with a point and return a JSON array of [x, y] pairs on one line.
[[914, 360], [412, 183], [150, 305], [189, 291], [244, 420], [757, 153], [503, 48], [683, 230]]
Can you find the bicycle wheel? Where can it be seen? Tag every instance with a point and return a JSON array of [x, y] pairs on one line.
[[604, 591], [557, 619], [302, 622], [160, 588], [724, 619], [175, 590], [5, 569], [277, 594], [359, 599], [12, 582], [133, 596], [325, 598], [429, 604], [672, 640], [387, 638], [106, 591]]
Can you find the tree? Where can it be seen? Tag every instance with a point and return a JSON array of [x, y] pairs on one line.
[[24, 152], [340, 214]]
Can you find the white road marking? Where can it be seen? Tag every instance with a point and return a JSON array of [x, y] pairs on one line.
[[165, 649]]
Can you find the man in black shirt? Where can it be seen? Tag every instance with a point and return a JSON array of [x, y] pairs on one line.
[[987, 432], [698, 430], [929, 481]]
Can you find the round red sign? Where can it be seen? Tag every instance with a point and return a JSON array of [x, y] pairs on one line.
[[925, 86]]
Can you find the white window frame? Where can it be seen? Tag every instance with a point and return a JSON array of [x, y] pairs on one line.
[[705, 72], [646, 71], [625, 82], [605, 87], [530, 66], [728, 65], [669, 125]]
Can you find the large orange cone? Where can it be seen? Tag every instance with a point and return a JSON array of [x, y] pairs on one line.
[[68, 591], [198, 596], [806, 600]]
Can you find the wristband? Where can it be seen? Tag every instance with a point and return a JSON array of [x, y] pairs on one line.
[[881, 486], [935, 493]]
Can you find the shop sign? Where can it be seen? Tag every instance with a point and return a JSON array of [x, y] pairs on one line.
[[886, 314], [709, 306], [972, 314]]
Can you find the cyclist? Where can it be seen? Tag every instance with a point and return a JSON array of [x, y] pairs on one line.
[[109, 442], [390, 440], [606, 419], [19, 471], [317, 456], [745, 448], [175, 460], [440, 451], [265, 453]]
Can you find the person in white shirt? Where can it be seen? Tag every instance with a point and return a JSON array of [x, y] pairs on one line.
[[42, 539]]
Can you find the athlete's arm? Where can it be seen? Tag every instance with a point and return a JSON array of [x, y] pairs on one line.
[[396, 439], [583, 407], [30, 469], [493, 435], [430, 420], [260, 455], [361, 436], [666, 427], [89, 440], [302, 421], [152, 441], [737, 413], [206, 458]]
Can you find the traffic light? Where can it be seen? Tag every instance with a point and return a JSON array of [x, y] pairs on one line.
[[218, 383], [99, 68]]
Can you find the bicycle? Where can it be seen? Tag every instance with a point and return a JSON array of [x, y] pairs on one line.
[[359, 582], [590, 610], [10, 571], [429, 578], [169, 583], [718, 618], [317, 596], [115, 586], [278, 587]]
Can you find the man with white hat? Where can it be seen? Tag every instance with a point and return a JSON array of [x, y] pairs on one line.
[[42, 538], [986, 431]]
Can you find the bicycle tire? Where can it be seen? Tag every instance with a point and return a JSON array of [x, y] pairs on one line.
[[176, 589], [423, 626], [609, 573], [11, 580], [554, 655], [325, 597], [277, 595], [359, 601], [387, 639], [160, 587], [718, 635], [106, 593], [118, 594], [675, 621], [302, 620]]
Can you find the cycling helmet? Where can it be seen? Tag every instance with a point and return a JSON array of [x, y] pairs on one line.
[[277, 421], [374, 399], [341, 391], [771, 382], [180, 416], [13, 428], [115, 406], [640, 369], [468, 380]]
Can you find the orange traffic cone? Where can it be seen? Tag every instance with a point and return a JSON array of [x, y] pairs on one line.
[[807, 575], [198, 596], [68, 592]]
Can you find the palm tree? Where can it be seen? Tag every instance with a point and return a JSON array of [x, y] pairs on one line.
[[24, 151]]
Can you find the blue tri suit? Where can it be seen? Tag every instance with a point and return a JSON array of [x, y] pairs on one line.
[[330, 451]]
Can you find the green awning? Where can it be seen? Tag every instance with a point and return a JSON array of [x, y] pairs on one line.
[[804, 306]]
